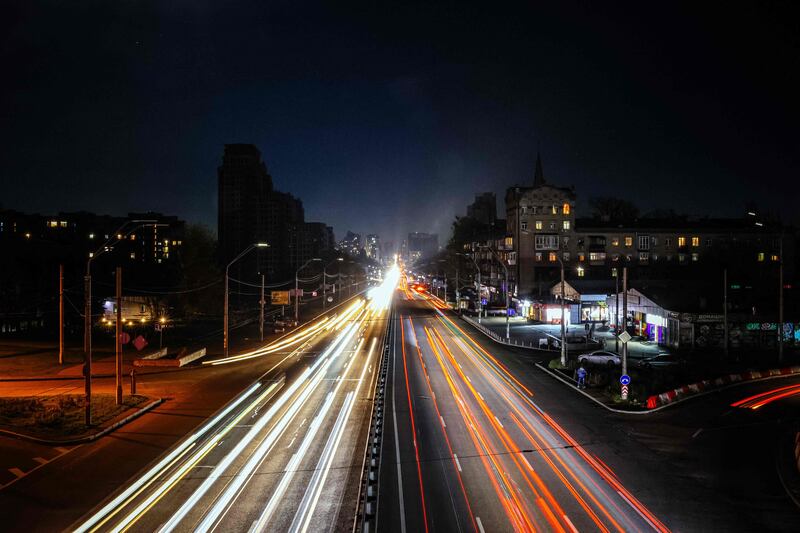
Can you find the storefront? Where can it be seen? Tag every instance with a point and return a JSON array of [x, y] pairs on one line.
[[594, 308]]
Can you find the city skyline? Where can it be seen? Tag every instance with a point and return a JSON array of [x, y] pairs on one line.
[[708, 121]]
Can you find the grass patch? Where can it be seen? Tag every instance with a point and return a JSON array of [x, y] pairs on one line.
[[61, 416]]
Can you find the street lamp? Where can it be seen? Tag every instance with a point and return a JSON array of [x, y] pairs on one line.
[[225, 339], [563, 318], [87, 338], [296, 290], [508, 304], [325, 278]]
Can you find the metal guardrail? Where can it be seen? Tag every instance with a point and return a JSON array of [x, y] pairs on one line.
[[502, 340]]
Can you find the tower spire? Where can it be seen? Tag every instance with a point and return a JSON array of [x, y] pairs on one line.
[[538, 177]]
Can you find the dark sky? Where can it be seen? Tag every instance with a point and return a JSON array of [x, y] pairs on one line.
[[389, 118]]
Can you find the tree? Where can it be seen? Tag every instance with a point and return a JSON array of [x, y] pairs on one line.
[[610, 209], [199, 269], [467, 230]]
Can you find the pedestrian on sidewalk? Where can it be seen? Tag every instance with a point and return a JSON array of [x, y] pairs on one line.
[[582, 377]]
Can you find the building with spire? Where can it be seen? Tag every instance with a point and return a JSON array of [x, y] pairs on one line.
[[539, 220]]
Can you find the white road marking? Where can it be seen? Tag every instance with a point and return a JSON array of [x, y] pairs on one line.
[[569, 523], [480, 524], [396, 437], [458, 463], [443, 424], [292, 442], [696, 433], [41, 460], [498, 421]]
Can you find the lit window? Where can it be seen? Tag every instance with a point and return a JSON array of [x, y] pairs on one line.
[[695, 241], [133, 255], [773, 257], [581, 257], [91, 235], [538, 256], [523, 224], [760, 256], [565, 208], [581, 271], [628, 241], [644, 257], [553, 257], [615, 241], [555, 209], [552, 225], [27, 235], [597, 256], [695, 257], [133, 237], [538, 224], [681, 258], [53, 224], [614, 272], [681, 241], [63, 223], [566, 224]]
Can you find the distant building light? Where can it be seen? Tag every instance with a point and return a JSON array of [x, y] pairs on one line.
[[91, 235], [27, 235]]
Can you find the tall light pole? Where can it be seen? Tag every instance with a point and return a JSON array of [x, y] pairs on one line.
[[563, 318], [297, 290], [780, 288], [324, 280], [226, 335], [116, 237], [508, 303]]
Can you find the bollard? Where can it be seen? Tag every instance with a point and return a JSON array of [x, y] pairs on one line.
[[133, 381]]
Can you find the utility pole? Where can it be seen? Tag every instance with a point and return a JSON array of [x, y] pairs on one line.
[[780, 300], [119, 336], [60, 314], [616, 312], [624, 323], [262, 302], [458, 294], [87, 346], [563, 319], [725, 309]]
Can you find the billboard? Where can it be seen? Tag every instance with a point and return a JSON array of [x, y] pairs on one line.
[[279, 297]]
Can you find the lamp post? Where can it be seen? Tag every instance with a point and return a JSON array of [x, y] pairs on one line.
[[780, 288], [324, 280], [505, 268], [116, 237], [226, 339], [563, 318], [297, 290]]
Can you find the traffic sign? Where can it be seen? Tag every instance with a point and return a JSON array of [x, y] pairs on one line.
[[124, 337], [625, 379], [624, 392], [625, 336]]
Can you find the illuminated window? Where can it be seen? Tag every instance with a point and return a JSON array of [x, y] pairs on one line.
[[581, 257], [565, 208], [133, 255], [538, 256], [681, 258], [63, 223], [681, 241], [773, 257], [581, 271], [553, 257], [133, 237], [695, 257], [628, 241], [555, 209], [538, 224], [509, 243], [644, 257], [695, 241], [566, 224], [523, 224], [615, 241], [552, 225], [760, 256], [91, 235], [597, 256], [614, 272], [53, 223]]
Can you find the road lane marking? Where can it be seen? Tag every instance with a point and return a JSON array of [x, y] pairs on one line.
[[442, 419], [458, 463], [17, 472], [569, 523], [396, 437], [41, 460], [480, 524], [498, 421]]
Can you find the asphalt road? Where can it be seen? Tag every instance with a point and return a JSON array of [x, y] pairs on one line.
[[287, 453], [478, 439]]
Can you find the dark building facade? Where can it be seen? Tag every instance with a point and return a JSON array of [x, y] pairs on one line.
[[484, 208]]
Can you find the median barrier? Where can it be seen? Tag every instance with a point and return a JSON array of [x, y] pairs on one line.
[[156, 355], [177, 362], [194, 356], [502, 340], [670, 396]]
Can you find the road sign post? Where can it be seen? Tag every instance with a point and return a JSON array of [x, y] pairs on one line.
[[625, 378]]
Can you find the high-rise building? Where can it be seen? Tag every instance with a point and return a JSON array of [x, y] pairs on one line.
[[373, 247], [484, 208], [251, 211], [422, 245]]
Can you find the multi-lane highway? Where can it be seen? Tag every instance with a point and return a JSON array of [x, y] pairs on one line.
[[286, 454], [468, 448]]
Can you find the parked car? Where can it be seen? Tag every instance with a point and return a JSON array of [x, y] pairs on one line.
[[661, 360], [600, 357]]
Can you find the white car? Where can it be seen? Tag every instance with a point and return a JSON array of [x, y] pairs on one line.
[[600, 357]]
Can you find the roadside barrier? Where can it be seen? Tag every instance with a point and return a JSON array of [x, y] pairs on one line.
[[156, 355], [673, 395], [502, 340], [178, 361]]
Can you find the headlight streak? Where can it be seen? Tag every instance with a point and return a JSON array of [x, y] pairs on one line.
[[604, 473], [112, 507], [308, 504], [244, 474], [155, 496]]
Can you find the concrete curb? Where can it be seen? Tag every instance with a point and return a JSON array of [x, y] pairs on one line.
[[87, 438], [708, 385]]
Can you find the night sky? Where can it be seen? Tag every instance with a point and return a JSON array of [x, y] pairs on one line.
[[389, 119]]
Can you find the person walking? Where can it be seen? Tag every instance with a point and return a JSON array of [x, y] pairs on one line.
[[582, 377]]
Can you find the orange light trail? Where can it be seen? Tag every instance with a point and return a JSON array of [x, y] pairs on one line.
[[760, 400]]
